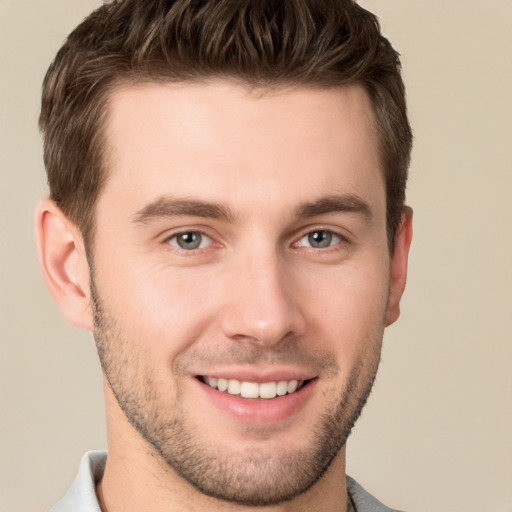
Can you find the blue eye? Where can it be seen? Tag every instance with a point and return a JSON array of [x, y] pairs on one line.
[[190, 240], [320, 239]]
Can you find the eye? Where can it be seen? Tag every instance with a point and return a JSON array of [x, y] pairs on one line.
[[320, 239], [190, 240]]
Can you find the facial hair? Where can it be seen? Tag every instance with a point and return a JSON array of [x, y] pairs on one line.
[[253, 477]]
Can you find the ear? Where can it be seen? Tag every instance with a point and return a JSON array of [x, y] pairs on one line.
[[64, 263], [398, 266]]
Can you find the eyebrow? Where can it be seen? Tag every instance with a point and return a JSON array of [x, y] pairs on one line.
[[346, 203], [169, 207]]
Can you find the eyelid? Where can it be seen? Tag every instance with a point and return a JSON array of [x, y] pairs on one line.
[[194, 228]]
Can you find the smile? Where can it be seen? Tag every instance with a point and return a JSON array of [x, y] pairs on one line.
[[245, 389]]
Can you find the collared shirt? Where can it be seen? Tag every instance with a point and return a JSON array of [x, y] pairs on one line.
[[81, 496]]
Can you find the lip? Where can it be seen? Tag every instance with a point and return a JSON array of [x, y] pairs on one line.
[[258, 412]]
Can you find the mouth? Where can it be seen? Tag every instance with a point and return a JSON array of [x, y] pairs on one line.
[[253, 398], [255, 390]]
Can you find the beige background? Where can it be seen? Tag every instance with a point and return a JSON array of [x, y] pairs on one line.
[[437, 433]]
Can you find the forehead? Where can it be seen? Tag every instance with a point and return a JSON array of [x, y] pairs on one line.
[[227, 143]]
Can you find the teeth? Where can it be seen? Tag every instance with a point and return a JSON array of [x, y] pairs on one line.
[[268, 390], [282, 388], [292, 386], [246, 389], [234, 386]]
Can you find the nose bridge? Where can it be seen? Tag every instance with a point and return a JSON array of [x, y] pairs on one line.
[[261, 308]]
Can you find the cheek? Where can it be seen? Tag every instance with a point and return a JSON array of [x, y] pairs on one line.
[[135, 279], [165, 310], [349, 305]]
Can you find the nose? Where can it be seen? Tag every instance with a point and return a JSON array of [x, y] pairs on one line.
[[262, 302]]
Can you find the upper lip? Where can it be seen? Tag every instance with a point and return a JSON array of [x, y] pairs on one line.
[[258, 375]]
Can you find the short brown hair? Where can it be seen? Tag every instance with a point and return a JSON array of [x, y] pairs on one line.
[[319, 43]]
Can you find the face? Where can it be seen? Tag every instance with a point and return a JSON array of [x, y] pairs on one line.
[[241, 278]]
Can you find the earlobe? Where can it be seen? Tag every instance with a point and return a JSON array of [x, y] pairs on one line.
[[398, 267], [64, 263]]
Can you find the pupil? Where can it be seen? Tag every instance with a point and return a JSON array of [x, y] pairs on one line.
[[320, 239], [189, 240]]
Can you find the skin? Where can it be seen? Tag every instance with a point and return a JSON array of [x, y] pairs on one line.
[[255, 300]]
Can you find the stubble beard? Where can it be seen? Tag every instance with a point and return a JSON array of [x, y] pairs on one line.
[[250, 478]]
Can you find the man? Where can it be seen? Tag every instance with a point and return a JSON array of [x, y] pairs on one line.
[[226, 215]]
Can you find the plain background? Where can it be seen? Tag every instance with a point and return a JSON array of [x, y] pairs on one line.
[[437, 432]]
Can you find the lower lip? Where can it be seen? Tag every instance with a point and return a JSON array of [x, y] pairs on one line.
[[260, 411]]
